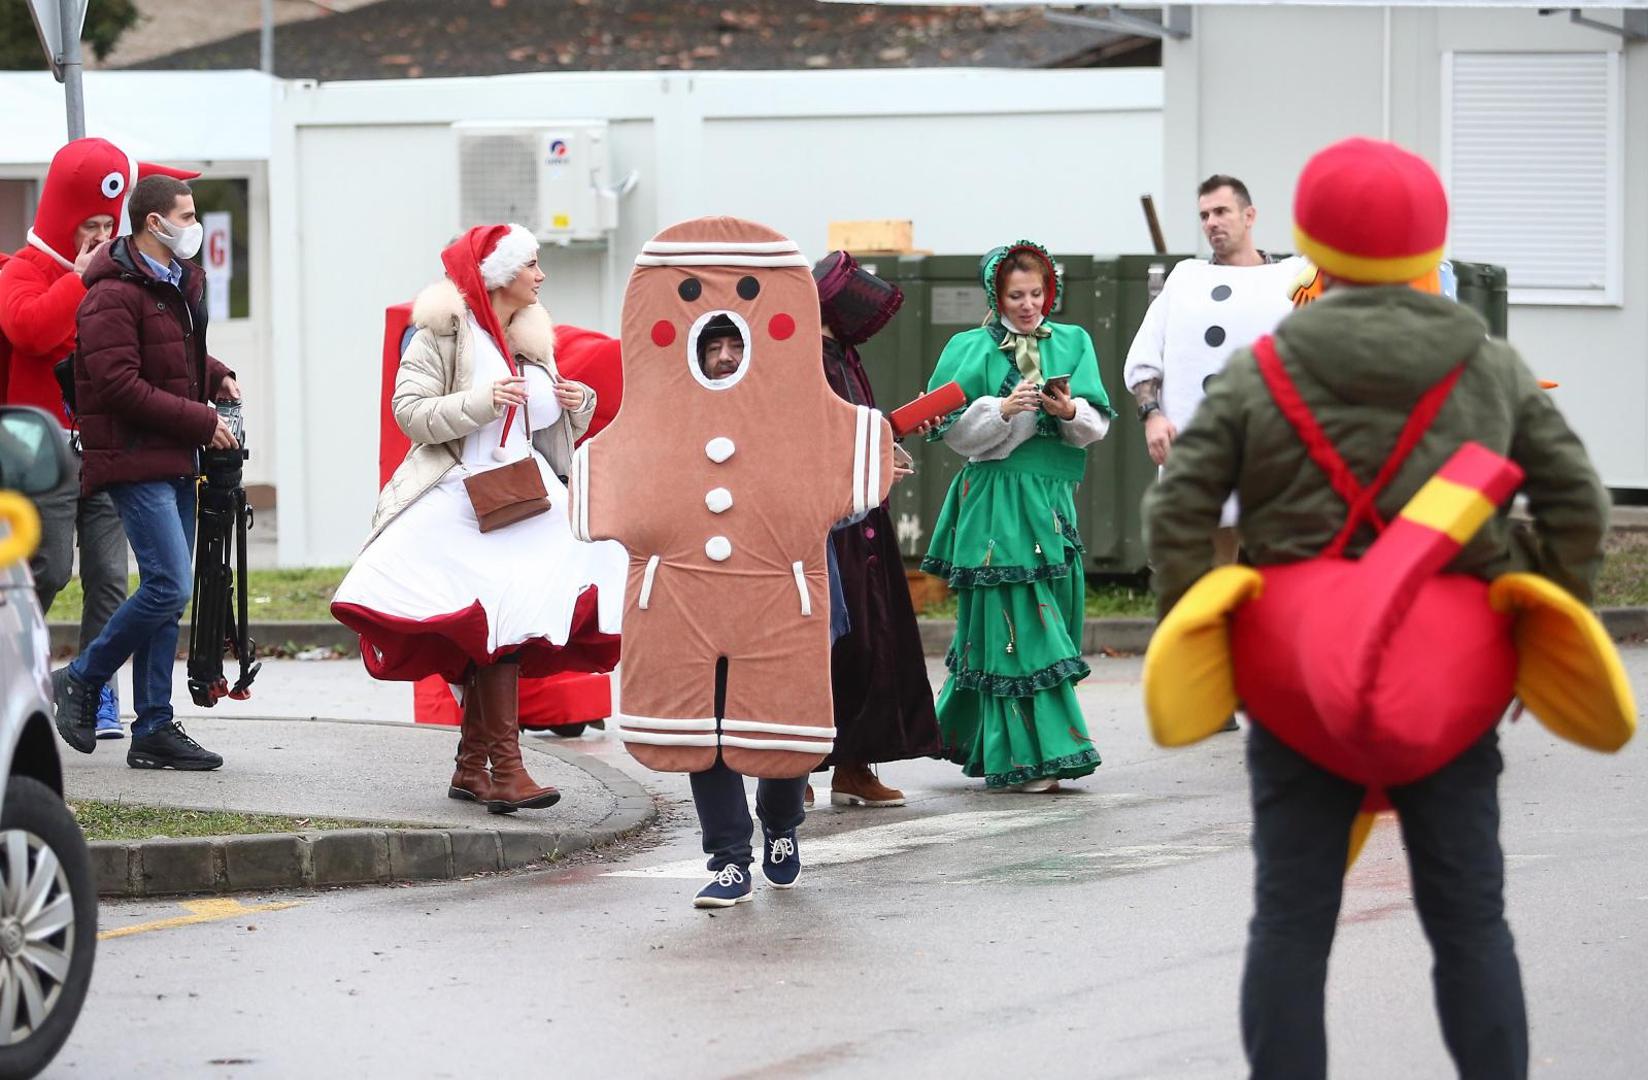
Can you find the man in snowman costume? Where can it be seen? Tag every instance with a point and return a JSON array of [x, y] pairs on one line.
[[1207, 309], [1204, 313]]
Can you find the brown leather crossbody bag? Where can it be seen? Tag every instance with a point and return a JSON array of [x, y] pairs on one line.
[[512, 492]]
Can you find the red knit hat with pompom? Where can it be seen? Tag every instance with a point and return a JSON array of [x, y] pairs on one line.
[[1370, 212]]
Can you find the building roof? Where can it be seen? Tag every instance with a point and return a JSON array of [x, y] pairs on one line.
[[416, 38], [229, 115]]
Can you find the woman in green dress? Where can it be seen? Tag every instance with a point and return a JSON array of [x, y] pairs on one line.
[[1006, 537]]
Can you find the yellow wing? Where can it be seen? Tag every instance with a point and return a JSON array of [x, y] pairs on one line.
[[1569, 674], [1189, 682]]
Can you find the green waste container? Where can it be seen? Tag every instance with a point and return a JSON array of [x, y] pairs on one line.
[[1482, 288], [1107, 296]]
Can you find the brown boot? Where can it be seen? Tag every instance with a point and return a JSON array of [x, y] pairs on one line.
[[470, 782], [856, 785], [511, 789]]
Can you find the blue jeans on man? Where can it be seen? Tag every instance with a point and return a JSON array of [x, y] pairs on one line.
[[159, 517]]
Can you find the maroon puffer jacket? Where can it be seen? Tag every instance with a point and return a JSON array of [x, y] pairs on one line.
[[142, 377]]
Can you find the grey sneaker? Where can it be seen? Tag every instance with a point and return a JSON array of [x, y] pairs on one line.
[[75, 703]]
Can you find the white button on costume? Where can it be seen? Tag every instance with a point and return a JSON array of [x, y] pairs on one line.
[[719, 449], [718, 548], [719, 500], [1204, 313]]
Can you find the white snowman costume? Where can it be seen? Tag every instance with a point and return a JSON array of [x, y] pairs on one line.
[[1205, 312]]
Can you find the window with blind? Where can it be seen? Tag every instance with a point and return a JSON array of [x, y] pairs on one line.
[[1533, 159]]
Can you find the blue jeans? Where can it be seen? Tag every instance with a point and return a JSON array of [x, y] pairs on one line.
[[724, 813], [159, 516]]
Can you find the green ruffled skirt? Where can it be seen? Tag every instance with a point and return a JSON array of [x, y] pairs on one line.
[[1006, 541]]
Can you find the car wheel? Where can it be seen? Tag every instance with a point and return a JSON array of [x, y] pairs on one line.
[[568, 731], [48, 926]]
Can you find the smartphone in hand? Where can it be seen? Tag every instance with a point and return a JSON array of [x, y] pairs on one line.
[[1057, 384]]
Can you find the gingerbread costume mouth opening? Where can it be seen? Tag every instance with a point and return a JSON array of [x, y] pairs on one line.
[[711, 328]]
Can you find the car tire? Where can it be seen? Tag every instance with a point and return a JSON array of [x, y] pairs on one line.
[[36, 825], [568, 731]]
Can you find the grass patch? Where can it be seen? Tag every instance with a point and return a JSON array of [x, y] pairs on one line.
[[306, 595], [1623, 582], [1624, 578], [123, 821], [303, 595]]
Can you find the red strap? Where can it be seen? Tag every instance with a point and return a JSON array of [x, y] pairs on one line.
[[1322, 451]]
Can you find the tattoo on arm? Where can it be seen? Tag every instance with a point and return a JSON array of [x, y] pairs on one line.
[[1148, 391]]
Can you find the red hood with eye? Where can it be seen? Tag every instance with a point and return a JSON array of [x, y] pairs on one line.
[[88, 177]]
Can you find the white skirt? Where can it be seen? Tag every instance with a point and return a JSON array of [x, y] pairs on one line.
[[433, 594]]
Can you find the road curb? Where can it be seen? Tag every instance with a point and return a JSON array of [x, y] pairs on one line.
[[308, 860], [1105, 635]]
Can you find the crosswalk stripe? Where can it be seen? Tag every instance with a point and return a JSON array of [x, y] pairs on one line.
[[892, 838]]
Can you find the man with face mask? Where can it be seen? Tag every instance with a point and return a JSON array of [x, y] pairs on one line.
[[82, 205], [143, 383]]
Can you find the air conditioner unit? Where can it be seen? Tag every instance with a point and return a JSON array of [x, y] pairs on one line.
[[554, 178]]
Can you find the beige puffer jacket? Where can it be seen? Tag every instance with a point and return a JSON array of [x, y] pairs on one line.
[[437, 403]]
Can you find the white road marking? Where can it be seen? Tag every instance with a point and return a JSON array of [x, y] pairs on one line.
[[892, 838]]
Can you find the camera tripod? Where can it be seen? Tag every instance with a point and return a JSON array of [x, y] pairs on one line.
[[218, 621]]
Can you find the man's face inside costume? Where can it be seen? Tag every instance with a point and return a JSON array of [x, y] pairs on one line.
[[1226, 221], [720, 349], [93, 231]]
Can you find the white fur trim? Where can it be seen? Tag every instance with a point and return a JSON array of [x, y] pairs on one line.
[[517, 248]]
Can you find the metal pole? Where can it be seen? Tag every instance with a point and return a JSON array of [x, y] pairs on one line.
[[73, 96], [266, 39]]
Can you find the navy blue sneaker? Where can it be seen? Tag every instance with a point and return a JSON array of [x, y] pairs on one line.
[[731, 885], [780, 861], [108, 714]]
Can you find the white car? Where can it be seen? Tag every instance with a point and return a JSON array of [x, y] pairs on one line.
[[48, 897]]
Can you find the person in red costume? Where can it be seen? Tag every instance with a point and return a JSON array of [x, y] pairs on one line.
[[1374, 442], [82, 206]]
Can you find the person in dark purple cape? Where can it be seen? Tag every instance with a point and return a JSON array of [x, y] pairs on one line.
[[883, 701]]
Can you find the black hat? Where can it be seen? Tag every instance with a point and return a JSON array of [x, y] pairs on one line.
[[719, 326]]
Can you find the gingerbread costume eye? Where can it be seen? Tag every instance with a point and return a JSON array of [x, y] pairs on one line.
[[113, 184], [749, 288], [690, 289]]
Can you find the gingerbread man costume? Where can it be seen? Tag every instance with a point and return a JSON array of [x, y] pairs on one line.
[[723, 491]]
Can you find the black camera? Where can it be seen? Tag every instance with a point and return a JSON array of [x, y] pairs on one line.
[[222, 467]]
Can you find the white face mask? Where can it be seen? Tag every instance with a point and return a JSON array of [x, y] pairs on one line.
[[182, 241]]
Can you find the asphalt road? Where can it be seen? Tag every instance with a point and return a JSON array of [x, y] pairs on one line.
[[1097, 933]]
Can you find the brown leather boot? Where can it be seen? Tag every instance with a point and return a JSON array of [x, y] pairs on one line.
[[512, 788], [470, 781], [856, 785]]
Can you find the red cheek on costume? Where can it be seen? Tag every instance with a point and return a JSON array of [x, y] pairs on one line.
[[781, 327], [663, 333]]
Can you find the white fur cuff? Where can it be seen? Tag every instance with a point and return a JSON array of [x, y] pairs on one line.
[[517, 248]]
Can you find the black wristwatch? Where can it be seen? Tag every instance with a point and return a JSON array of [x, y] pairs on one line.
[[1147, 408]]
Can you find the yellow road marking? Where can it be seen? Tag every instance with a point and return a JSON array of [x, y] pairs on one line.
[[200, 911]]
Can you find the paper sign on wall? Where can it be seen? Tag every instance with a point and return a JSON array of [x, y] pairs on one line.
[[218, 256]]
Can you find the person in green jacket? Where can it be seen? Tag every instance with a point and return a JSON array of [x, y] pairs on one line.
[[1006, 538], [1373, 216]]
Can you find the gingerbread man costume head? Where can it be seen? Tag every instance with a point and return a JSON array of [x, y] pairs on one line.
[[724, 490]]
